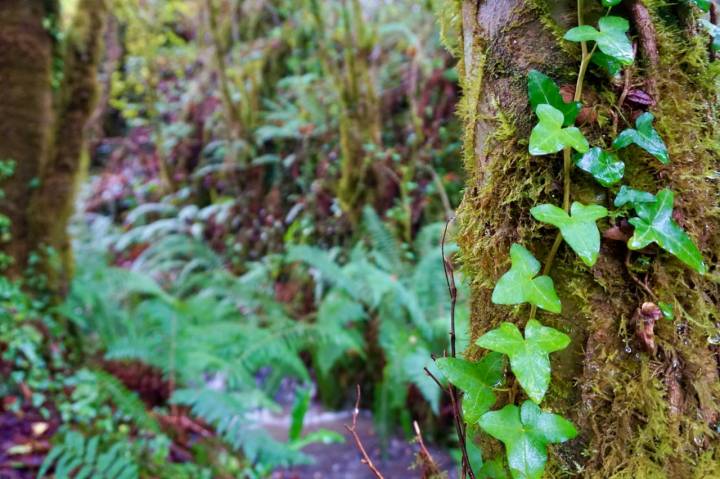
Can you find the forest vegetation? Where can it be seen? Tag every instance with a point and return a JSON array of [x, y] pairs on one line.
[[359, 239]]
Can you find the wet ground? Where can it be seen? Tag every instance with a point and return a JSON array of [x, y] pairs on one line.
[[343, 461]]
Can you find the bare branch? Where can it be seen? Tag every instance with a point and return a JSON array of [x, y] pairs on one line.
[[358, 442]]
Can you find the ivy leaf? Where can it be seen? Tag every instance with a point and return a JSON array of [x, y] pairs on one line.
[[549, 136], [519, 285], [543, 90], [644, 136], [668, 310], [605, 166], [714, 32], [578, 229], [633, 197], [655, 224], [610, 64], [529, 357], [610, 39], [476, 380], [703, 5], [526, 432]]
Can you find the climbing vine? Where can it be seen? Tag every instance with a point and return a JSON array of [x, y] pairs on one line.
[[526, 430]]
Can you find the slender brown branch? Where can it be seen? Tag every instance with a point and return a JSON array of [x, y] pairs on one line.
[[358, 442], [432, 376], [429, 466], [457, 412], [450, 281]]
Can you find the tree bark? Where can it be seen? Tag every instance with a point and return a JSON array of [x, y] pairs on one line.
[[640, 414], [53, 203], [26, 56]]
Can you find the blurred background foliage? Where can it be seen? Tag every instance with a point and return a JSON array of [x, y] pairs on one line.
[[259, 232]]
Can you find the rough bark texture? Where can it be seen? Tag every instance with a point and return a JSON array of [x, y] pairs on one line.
[[26, 55], [641, 414], [52, 204]]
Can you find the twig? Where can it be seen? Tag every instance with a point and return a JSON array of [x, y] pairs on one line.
[[450, 281], [432, 376], [358, 442], [430, 467], [643, 285], [457, 412]]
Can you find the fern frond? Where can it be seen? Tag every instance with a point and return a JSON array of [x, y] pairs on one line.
[[78, 457]]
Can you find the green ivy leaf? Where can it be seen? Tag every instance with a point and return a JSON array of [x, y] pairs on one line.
[[668, 310], [644, 136], [634, 197], [543, 90], [549, 136], [714, 32], [526, 432], [529, 357], [608, 63], [703, 5], [610, 3], [476, 380], [611, 38], [519, 285], [578, 229], [655, 224], [605, 166]]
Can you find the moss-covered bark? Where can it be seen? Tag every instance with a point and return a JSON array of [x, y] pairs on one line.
[[641, 415], [41, 126], [26, 58], [52, 204]]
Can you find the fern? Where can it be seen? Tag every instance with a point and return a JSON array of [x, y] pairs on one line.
[[385, 246], [80, 458], [228, 413]]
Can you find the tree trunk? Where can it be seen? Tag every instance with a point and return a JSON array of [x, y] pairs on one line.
[[26, 56], [53, 203], [640, 414]]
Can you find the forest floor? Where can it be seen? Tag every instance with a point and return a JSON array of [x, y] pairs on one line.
[[342, 460]]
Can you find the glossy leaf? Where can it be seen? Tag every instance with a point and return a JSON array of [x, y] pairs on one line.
[[714, 32], [519, 285], [578, 229], [668, 310], [608, 63], [526, 432], [549, 136], [631, 196], [529, 357], [611, 38], [703, 5], [476, 380], [655, 224], [542, 90], [644, 136], [610, 3], [605, 166]]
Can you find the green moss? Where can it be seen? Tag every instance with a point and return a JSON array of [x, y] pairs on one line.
[[641, 416]]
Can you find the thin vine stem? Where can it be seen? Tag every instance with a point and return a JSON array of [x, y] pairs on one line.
[[567, 152]]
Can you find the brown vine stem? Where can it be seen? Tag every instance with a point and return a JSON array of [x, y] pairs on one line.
[[358, 442], [454, 399], [567, 152]]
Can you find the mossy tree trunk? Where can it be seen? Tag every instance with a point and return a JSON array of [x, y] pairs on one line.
[[42, 126], [53, 203], [26, 111], [641, 414]]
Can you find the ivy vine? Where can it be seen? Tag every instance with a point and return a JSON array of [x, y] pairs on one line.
[[527, 430]]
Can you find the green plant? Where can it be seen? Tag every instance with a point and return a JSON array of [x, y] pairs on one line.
[[82, 458], [210, 324], [526, 431], [385, 285]]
